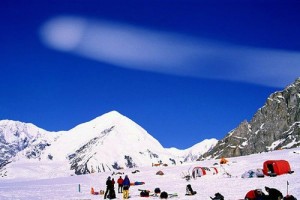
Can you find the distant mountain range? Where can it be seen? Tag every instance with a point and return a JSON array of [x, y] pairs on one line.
[[112, 141], [109, 142]]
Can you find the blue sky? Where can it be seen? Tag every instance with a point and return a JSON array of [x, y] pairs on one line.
[[183, 70]]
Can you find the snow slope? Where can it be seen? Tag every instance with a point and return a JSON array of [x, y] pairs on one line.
[[232, 188]]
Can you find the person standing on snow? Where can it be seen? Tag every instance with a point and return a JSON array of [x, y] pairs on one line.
[[126, 185], [109, 187], [120, 184]]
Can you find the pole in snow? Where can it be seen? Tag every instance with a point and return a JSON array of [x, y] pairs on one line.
[[78, 187]]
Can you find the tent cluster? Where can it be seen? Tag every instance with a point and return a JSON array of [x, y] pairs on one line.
[[270, 168]]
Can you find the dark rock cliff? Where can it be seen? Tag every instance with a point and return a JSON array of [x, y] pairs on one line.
[[274, 126]]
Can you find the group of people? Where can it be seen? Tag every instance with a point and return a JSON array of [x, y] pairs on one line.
[[258, 194], [123, 187]]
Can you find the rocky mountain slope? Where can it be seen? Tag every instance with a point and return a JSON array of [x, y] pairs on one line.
[[274, 126]]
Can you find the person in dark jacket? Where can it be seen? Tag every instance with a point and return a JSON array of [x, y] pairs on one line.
[[109, 187], [274, 194]]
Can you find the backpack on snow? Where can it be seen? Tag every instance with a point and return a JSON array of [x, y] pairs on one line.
[[189, 190], [218, 196], [156, 190], [164, 195], [144, 193]]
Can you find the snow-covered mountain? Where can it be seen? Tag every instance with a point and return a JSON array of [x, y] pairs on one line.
[[17, 136], [195, 152], [106, 143], [111, 141]]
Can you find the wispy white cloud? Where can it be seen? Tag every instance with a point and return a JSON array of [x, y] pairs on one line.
[[152, 50]]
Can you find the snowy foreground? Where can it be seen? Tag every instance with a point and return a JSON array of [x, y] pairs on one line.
[[232, 188]]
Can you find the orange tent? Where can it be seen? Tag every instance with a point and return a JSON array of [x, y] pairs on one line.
[[223, 160]]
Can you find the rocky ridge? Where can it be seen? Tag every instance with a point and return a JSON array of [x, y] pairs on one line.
[[274, 126]]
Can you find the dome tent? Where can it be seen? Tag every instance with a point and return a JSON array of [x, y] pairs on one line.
[[201, 171], [253, 173], [276, 167]]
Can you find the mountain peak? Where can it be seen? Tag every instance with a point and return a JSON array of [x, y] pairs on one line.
[[112, 115], [16, 130]]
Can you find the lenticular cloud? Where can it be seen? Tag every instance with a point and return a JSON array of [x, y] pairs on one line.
[[64, 33], [133, 47]]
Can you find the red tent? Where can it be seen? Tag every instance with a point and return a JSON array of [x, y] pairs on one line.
[[277, 167]]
